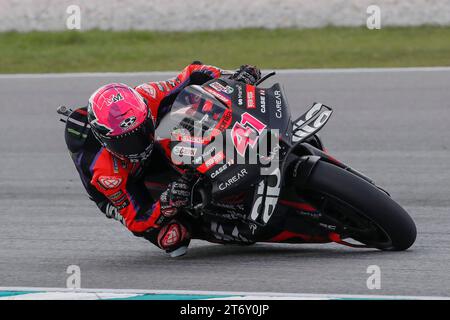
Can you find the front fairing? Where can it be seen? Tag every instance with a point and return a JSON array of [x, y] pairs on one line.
[[218, 128]]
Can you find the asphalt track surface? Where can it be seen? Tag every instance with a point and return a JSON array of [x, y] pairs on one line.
[[391, 125]]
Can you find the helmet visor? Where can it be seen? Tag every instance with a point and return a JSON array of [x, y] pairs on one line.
[[135, 145]]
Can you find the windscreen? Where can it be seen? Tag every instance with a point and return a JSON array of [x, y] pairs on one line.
[[197, 113]]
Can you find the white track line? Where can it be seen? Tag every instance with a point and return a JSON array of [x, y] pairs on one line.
[[171, 73], [242, 295], [68, 296]]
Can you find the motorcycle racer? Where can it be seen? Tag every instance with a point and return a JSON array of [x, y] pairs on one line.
[[113, 147]]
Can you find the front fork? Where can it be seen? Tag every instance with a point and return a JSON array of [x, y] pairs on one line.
[[310, 155]]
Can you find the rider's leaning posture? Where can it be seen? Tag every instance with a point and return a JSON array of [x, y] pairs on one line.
[[113, 147]]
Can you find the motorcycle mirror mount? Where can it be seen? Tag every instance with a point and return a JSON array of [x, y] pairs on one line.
[[267, 76], [200, 198]]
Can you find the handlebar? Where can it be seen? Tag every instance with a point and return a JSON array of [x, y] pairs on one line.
[[227, 72], [200, 198], [264, 78]]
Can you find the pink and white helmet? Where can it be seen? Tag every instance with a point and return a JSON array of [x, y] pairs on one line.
[[121, 121]]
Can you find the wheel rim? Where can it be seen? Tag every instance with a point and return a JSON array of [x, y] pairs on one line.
[[351, 222]]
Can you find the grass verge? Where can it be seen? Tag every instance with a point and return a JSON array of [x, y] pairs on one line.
[[329, 47]]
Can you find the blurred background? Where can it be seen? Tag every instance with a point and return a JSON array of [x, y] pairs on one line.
[[144, 35], [391, 124]]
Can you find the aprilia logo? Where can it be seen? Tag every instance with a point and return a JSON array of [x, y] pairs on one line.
[[267, 197], [313, 120]]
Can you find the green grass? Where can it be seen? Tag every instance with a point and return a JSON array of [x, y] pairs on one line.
[[283, 48]]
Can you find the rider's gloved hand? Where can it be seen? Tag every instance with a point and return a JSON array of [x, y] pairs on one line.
[[176, 196], [174, 235], [111, 212], [248, 74]]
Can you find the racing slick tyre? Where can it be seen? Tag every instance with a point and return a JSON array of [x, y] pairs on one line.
[[368, 214]]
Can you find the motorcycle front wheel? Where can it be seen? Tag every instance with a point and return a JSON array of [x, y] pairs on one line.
[[359, 209]]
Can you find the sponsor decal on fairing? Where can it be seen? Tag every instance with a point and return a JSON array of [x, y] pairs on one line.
[[233, 179]]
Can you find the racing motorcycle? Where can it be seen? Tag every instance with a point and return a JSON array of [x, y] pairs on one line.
[[240, 139]]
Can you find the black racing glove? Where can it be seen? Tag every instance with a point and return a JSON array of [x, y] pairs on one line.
[[110, 211], [113, 213], [248, 74], [176, 196], [173, 235]]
